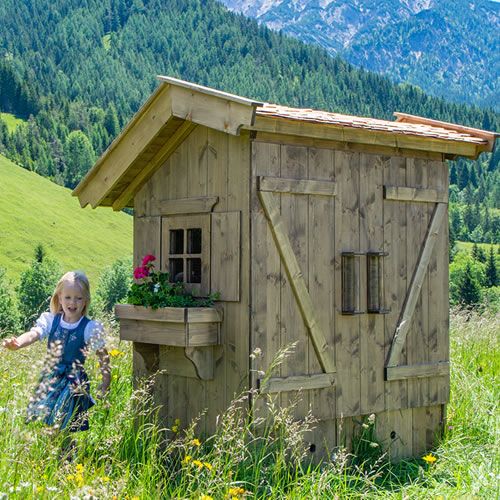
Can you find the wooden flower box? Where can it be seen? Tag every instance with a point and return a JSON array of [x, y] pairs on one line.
[[171, 326]]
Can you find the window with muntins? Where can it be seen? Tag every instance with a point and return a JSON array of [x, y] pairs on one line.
[[185, 251]]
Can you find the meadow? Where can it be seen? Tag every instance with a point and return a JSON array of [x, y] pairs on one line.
[[35, 210], [126, 455]]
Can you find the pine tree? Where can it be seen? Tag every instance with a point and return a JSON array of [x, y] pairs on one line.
[[491, 270], [469, 289], [79, 156], [453, 174], [478, 253]]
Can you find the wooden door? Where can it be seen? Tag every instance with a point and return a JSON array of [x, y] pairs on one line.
[[293, 291]]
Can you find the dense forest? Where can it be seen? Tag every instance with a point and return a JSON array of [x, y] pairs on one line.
[[77, 70]]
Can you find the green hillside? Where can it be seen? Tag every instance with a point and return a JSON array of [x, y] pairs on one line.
[[34, 209], [11, 121]]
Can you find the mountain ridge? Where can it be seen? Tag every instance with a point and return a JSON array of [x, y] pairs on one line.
[[444, 49]]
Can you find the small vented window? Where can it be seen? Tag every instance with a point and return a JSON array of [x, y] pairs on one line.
[[351, 282], [375, 282]]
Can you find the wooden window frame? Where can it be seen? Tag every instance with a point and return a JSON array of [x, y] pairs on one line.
[[186, 222]]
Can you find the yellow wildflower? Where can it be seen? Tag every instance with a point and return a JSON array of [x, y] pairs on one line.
[[177, 421], [79, 468], [186, 459], [105, 479], [208, 466], [114, 353], [429, 458], [175, 428], [45, 477], [70, 477], [198, 464], [236, 491], [39, 489], [195, 442], [206, 497], [79, 480]]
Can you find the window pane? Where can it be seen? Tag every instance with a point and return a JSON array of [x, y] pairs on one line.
[[194, 270], [194, 240], [176, 241], [176, 270]]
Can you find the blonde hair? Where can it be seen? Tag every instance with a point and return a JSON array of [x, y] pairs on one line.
[[74, 278]]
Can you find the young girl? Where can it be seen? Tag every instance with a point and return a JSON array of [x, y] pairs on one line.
[[62, 397]]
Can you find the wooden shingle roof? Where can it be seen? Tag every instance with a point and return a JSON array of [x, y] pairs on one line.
[[176, 107], [414, 126]]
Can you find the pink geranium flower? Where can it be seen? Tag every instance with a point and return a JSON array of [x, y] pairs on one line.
[[141, 272], [147, 259]]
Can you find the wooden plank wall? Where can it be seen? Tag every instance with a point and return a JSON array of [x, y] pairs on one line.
[[358, 219], [276, 320], [207, 163]]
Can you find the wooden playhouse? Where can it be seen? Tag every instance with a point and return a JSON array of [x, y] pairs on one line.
[[324, 230]]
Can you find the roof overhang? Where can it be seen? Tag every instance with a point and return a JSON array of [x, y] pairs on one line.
[[174, 109]]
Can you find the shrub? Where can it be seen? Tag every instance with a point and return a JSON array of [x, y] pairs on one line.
[[113, 285], [36, 286], [9, 314]]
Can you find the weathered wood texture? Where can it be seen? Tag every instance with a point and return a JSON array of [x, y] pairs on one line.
[[316, 230], [206, 165], [343, 210]]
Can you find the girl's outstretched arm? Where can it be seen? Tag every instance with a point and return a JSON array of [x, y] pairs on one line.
[[103, 357], [24, 340]]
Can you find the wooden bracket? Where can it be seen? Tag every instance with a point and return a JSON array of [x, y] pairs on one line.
[[203, 361]]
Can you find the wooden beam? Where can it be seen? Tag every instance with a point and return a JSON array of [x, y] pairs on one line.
[[474, 132], [114, 162], [362, 136], [416, 285], [202, 204], [402, 193], [297, 186], [297, 282], [315, 142], [296, 383], [158, 159], [211, 110], [417, 371], [209, 91]]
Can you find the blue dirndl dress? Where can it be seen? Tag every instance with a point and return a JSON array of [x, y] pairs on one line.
[[62, 396]]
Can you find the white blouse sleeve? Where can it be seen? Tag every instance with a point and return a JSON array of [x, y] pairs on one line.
[[94, 336], [43, 324]]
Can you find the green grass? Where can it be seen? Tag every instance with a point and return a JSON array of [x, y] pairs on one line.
[[35, 210], [125, 454], [11, 121], [467, 246]]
